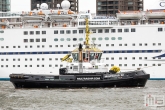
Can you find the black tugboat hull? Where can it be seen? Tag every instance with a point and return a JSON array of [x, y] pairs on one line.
[[121, 81]]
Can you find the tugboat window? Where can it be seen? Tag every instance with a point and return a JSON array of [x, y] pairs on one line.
[[93, 38], [160, 29], [106, 38], [56, 32], [113, 30], [31, 32], [55, 39], [68, 32], [119, 30], [106, 30], [25, 32], [119, 38], [80, 31], [37, 32], [100, 31], [61, 31], [62, 39], [74, 39], [43, 32], [74, 31], [113, 38], [100, 38]]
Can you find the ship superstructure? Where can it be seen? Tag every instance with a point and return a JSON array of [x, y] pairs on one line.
[[36, 41]]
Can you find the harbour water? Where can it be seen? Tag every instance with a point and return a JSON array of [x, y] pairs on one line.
[[79, 99]]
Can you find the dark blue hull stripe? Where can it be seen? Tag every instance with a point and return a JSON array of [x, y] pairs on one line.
[[8, 79], [66, 52]]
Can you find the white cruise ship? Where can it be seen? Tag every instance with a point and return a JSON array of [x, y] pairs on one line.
[[34, 42]]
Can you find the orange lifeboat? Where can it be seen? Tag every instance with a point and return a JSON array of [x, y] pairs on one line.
[[64, 25]]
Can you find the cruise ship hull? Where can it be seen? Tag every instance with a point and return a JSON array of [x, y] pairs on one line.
[[129, 79]]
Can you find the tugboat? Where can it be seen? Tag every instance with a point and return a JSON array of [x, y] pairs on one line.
[[84, 69]]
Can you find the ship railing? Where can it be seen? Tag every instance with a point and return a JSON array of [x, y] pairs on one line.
[[98, 22], [8, 14]]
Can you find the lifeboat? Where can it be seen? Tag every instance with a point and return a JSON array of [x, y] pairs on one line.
[[129, 15], [155, 14]]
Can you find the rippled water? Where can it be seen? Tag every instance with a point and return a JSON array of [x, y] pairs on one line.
[[78, 99]]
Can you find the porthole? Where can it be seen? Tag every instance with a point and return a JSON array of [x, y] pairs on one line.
[[1, 31], [1, 39], [68, 39], [55, 39], [62, 39], [100, 38], [93, 38], [119, 38], [74, 39], [113, 38], [106, 38], [80, 39]]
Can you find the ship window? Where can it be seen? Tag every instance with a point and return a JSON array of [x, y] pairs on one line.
[[68, 32], [50, 46], [125, 64], [112, 58], [159, 64], [62, 39], [31, 32], [26, 46], [99, 45], [133, 64], [56, 65], [30, 59], [1, 31], [19, 46], [145, 64], [1, 39], [56, 32], [38, 65], [7, 59], [100, 38], [160, 29], [159, 44], [55, 39], [61, 31], [125, 44], [44, 40], [6, 66], [43, 46], [14, 46], [154, 44], [113, 38], [107, 58], [113, 30], [133, 44], [37, 40], [119, 30], [126, 30], [133, 58], [133, 30], [18, 65], [93, 38], [37, 32], [120, 44], [2, 59], [61, 45], [74, 45], [1, 66], [31, 40], [38, 59], [25, 32], [80, 39], [42, 65], [43, 59], [145, 58], [25, 65], [25, 40], [140, 44], [56, 59], [106, 30], [30, 46], [68, 39], [120, 65], [50, 65], [112, 64], [112, 45], [106, 38], [56, 45], [13, 65], [145, 44], [80, 31], [93, 30], [43, 32], [74, 31], [119, 38], [74, 39], [120, 58], [2, 46], [125, 58], [107, 45], [100, 31]]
